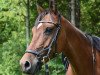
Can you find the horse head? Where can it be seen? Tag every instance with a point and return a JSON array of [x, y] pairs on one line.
[[44, 40]]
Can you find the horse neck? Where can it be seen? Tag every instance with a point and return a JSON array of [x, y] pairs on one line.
[[77, 49]]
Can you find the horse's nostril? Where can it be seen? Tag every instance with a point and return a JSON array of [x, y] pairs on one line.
[[27, 65]]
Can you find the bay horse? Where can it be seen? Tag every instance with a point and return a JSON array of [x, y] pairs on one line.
[[52, 34]]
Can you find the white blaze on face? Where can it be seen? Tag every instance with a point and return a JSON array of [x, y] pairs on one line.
[[40, 24]]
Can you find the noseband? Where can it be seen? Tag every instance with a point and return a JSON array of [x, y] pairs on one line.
[[48, 49]]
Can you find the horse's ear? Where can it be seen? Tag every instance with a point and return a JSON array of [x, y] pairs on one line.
[[39, 9], [52, 6]]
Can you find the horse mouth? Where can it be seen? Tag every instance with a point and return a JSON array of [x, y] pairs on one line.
[[31, 72], [34, 71]]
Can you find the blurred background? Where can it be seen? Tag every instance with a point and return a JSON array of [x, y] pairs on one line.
[[17, 17]]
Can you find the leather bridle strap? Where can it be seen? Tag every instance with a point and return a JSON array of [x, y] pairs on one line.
[[93, 53], [32, 52], [37, 52]]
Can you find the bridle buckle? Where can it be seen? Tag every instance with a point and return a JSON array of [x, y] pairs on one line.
[[45, 58]]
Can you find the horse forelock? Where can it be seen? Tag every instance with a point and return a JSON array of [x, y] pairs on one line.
[[40, 16]]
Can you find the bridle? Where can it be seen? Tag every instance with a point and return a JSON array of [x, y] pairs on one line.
[[54, 40], [37, 53]]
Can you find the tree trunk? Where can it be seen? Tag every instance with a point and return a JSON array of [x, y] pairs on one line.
[[73, 12], [77, 13], [27, 23]]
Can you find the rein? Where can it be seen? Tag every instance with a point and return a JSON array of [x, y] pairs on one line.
[[93, 53], [48, 49], [93, 56]]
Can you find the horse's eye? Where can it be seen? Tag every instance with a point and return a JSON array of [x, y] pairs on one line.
[[48, 30]]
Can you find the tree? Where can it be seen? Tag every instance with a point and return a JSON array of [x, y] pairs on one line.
[[89, 17], [73, 11], [27, 22]]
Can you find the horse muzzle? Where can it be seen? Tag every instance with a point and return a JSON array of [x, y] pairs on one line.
[[30, 67]]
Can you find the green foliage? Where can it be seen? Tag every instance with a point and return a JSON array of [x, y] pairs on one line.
[[12, 31], [90, 18], [11, 53], [57, 68], [12, 36]]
